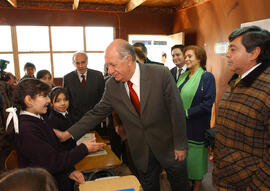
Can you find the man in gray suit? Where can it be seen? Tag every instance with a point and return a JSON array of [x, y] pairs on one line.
[[155, 125]]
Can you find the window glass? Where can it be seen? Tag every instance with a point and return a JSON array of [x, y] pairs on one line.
[[10, 66], [33, 38], [67, 38], [5, 39], [96, 61], [98, 38], [41, 61], [62, 64]]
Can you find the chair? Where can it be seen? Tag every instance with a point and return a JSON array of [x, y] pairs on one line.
[[11, 161]]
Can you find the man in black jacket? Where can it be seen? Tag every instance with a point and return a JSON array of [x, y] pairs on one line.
[[144, 49], [179, 61]]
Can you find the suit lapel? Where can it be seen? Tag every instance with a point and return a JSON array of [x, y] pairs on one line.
[[145, 85], [88, 78], [75, 76]]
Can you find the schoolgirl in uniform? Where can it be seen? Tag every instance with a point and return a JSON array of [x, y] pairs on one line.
[[35, 141], [59, 117]]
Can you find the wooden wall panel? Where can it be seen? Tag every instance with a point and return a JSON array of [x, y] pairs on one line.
[[143, 20]]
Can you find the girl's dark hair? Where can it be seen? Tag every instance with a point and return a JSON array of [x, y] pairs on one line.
[[27, 179], [42, 73], [31, 87], [56, 91]]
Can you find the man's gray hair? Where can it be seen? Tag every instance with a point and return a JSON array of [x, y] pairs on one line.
[[79, 52], [126, 50]]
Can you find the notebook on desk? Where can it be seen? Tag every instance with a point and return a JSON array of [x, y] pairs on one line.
[[87, 137]]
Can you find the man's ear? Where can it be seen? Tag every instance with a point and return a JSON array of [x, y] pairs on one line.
[[129, 58], [254, 54], [28, 101]]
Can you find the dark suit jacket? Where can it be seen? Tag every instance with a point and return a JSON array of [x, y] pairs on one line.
[[37, 146], [199, 113], [152, 62], [83, 99], [58, 121], [162, 125], [174, 71]]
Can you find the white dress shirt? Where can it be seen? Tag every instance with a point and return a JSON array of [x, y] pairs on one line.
[[80, 76], [183, 69], [31, 114], [250, 70], [135, 79]]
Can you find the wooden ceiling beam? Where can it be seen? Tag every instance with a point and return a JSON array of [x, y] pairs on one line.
[[132, 4], [75, 4], [13, 3]]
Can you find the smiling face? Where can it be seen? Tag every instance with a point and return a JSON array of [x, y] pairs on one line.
[[192, 62], [38, 104], [80, 62], [61, 103], [178, 57]]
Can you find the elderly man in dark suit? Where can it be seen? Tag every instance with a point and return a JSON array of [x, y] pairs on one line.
[[150, 108], [84, 86], [178, 60]]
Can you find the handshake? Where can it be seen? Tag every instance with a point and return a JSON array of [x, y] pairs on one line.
[[91, 144]]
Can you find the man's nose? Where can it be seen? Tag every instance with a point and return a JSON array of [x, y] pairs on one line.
[[228, 55], [110, 70]]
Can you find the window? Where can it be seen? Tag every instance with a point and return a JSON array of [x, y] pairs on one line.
[[96, 61], [41, 61], [6, 47], [67, 38], [32, 38], [5, 39], [62, 64], [98, 38], [52, 48]]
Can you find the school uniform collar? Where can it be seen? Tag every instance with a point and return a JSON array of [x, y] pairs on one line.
[[31, 114], [251, 75], [62, 113]]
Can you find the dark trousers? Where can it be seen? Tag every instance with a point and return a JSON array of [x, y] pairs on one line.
[[177, 175]]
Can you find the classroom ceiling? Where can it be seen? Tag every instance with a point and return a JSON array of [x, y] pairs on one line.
[[129, 5]]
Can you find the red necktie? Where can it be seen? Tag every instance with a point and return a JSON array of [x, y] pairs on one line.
[[133, 97], [83, 81]]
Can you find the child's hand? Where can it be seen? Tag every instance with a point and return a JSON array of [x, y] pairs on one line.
[[92, 146], [77, 176], [62, 135]]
